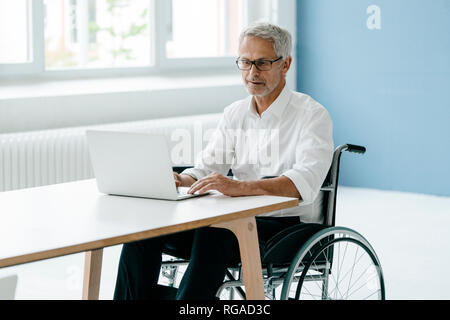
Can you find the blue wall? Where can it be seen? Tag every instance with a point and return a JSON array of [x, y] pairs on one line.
[[386, 89]]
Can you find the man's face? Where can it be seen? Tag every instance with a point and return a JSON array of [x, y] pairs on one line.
[[261, 83]]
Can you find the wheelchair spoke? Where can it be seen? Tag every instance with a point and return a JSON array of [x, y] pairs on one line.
[[336, 288], [364, 284], [339, 266], [298, 290], [345, 276], [353, 268], [350, 285], [338, 257], [310, 294], [316, 281], [335, 281], [379, 290], [363, 273], [343, 258]]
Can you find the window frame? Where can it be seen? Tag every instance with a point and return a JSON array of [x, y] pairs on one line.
[[36, 44], [160, 20]]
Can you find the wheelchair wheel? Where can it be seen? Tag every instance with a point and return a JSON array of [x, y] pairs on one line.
[[335, 264]]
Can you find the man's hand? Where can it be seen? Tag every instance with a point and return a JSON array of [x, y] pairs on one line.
[[183, 180], [216, 181], [177, 178]]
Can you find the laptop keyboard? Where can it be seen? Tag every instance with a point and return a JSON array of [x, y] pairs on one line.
[[182, 190]]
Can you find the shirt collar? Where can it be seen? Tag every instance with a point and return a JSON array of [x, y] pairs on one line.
[[276, 108]]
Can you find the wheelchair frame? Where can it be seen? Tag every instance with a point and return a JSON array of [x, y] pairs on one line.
[[317, 246]]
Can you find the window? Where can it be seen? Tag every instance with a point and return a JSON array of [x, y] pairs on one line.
[[14, 31], [97, 33], [191, 26], [68, 37]]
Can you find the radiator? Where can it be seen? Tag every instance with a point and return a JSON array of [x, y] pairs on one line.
[[37, 158], [41, 158]]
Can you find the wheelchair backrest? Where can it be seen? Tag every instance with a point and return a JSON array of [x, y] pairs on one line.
[[329, 186]]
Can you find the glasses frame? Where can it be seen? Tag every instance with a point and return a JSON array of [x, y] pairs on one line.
[[253, 63]]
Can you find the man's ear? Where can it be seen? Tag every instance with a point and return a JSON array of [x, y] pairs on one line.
[[286, 64]]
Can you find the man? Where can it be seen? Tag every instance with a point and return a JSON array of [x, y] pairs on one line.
[[298, 132]]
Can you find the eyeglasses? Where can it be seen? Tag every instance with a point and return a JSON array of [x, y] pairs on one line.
[[261, 65]]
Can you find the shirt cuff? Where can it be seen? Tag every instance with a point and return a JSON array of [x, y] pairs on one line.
[[306, 193], [197, 174]]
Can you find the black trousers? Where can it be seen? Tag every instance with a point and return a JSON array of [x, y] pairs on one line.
[[209, 251]]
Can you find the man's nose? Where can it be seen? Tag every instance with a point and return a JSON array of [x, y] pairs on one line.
[[253, 70]]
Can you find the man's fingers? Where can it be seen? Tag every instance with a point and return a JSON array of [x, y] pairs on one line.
[[198, 184], [205, 188], [211, 178], [194, 187]]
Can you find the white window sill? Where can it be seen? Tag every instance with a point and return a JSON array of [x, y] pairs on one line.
[[32, 88], [27, 105]]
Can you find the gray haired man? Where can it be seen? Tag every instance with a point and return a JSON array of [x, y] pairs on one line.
[[304, 148]]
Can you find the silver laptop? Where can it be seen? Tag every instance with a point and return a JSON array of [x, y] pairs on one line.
[[134, 164]]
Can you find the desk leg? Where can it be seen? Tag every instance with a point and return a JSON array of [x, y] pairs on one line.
[[92, 274], [247, 235]]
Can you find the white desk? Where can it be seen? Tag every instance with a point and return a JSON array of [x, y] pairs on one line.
[[56, 220]]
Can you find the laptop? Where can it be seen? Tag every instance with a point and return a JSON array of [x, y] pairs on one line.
[[134, 164]]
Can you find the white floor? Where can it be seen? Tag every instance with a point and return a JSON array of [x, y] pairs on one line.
[[409, 232]]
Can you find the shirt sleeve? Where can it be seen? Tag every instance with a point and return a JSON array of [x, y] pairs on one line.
[[313, 156], [218, 153]]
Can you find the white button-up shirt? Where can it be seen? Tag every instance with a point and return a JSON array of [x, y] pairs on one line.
[[293, 138]]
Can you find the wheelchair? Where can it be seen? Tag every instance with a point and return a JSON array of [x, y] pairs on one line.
[[309, 261]]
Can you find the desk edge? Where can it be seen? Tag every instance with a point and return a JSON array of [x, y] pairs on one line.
[[102, 243]]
